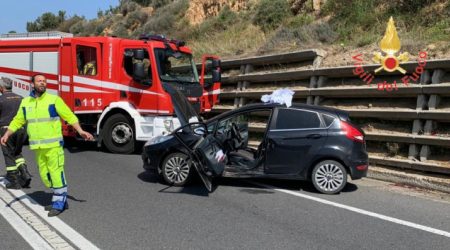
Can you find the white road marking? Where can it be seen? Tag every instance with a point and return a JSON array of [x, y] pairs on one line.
[[68, 232], [24, 230], [358, 210]]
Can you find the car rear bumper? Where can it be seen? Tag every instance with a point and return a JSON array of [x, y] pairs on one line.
[[359, 169]]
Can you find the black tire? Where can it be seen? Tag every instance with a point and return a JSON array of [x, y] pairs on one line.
[[118, 134], [329, 177], [175, 169]]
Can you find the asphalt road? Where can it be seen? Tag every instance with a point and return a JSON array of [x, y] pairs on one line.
[[9, 238], [116, 205]]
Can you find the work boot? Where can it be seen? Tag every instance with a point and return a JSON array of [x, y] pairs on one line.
[[13, 178], [54, 212], [25, 176], [49, 207]]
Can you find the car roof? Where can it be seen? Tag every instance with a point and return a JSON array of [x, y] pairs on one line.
[[254, 106]]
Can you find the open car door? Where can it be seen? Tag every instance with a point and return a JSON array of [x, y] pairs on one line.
[[209, 159], [206, 155]]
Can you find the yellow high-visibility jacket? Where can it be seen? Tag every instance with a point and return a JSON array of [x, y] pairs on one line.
[[43, 118]]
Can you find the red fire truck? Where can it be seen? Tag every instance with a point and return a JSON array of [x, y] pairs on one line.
[[114, 85]]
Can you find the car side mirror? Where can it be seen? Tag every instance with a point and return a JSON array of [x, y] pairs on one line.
[[216, 63], [216, 76], [139, 54], [138, 71], [199, 131]]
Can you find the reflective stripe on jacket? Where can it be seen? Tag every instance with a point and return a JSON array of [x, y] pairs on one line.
[[42, 114]]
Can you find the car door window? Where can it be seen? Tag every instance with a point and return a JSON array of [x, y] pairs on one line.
[[252, 125], [328, 119], [297, 119]]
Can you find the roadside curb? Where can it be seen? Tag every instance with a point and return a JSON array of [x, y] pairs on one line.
[[412, 178]]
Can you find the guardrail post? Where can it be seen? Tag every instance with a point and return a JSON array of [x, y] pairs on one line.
[[413, 151], [239, 87], [320, 55], [245, 84], [433, 102], [312, 85], [242, 85], [320, 83]]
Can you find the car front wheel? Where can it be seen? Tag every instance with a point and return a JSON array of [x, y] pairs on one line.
[[329, 177], [176, 170]]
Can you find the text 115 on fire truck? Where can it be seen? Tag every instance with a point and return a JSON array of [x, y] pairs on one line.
[[114, 85]]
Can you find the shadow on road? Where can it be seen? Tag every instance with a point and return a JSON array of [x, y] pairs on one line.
[[197, 190], [45, 198], [75, 146], [294, 185], [196, 187]]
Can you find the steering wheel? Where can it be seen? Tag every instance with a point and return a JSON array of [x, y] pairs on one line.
[[236, 134]]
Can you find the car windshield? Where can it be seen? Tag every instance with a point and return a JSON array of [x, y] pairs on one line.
[[176, 66]]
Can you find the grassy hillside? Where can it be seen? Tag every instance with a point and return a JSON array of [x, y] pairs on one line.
[[266, 26]]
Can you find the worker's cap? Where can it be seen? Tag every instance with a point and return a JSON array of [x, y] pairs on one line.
[[5, 83]]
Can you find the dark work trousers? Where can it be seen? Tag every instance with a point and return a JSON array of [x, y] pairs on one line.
[[13, 149]]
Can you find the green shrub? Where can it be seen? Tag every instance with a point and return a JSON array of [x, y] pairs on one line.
[[47, 21], [271, 13], [135, 17], [164, 19], [77, 28], [128, 6], [120, 31], [300, 20]]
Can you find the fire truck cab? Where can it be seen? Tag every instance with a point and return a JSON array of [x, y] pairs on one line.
[[114, 85]]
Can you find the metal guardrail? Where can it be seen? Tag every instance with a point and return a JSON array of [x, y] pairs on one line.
[[318, 85]]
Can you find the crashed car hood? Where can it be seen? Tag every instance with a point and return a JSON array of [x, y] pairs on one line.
[[182, 107]]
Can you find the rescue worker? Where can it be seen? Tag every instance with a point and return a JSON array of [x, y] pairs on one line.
[[16, 169], [41, 112], [90, 69]]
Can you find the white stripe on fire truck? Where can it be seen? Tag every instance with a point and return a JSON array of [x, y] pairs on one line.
[[52, 81], [87, 111], [214, 92], [154, 111], [27, 78], [21, 77], [86, 90], [65, 88], [110, 85], [65, 78]]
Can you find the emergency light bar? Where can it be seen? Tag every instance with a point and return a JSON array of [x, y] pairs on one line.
[[161, 38]]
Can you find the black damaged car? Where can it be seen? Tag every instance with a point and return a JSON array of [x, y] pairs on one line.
[[300, 142]]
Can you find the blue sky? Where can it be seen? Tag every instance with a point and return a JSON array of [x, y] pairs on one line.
[[15, 14]]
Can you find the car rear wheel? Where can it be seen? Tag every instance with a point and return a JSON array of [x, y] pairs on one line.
[[329, 177], [176, 170]]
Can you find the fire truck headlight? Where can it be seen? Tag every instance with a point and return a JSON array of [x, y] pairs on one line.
[[168, 125]]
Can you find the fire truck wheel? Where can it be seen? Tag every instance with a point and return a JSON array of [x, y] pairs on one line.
[[118, 134]]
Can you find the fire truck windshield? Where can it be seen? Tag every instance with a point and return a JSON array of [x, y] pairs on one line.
[[176, 66]]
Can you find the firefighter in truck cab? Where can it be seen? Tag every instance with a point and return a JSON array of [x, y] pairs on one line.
[[42, 112]]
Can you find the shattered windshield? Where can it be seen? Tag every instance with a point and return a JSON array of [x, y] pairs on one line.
[[176, 66]]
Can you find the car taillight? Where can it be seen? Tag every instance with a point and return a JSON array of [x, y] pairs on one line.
[[362, 167], [351, 132]]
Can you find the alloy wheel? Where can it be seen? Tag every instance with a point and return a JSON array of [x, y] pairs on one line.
[[176, 169], [329, 177]]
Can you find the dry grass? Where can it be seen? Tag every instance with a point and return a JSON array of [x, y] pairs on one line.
[[237, 41]]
